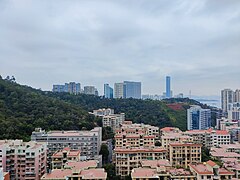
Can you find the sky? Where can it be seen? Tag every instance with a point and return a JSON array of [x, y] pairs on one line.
[[197, 43]]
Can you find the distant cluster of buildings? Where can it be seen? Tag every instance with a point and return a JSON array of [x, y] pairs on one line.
[[230, 101], [75, 88], [125, 89]]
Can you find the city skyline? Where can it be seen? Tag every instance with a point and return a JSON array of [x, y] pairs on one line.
[[93, 42]]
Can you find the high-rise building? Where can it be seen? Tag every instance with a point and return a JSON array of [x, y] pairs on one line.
[[119, 90], [108, 91], [234, 111], [91, 90], [227, 96], [237, 95], [72, 88], [198, 118], [133, 89], [168, 87]]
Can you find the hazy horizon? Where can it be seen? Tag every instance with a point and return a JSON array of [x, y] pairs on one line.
[[95, 42]]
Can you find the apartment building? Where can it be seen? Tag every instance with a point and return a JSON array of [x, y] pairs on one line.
[[223, 152], [160, 169], [130, 158], [168, 130], [168, 138], [233, 165], [209, 138], [114, 121], [23, 160], [134, 140], [128, 127], [88, 142], [181, 154], [86, 170], [210, 171], [59, 158]]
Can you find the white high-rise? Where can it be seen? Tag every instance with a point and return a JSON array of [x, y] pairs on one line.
[[227, 97], [119, 90], [198, 118]]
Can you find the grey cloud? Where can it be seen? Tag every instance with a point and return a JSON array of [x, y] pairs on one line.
[[94, 42]]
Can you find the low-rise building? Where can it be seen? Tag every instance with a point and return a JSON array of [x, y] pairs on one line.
[[161, 174], [168, 130], [61, 157], [86, 170], [210, 171], [182, 154], [129, 158], [23, 160], [232, 164], [169, 138], [219, 153], [210, 138], [102, 112]]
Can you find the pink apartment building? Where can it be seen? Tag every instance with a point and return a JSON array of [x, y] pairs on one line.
[[23, 160]]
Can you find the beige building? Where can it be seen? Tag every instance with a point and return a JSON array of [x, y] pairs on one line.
[[182, 154], [130, 158], [210, 138], [134, 140], [114, 120], [133, 128], [210, 171], [166, 139], [61, 157]]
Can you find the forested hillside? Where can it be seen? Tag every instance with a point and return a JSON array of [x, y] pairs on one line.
[[23, 108], [152, 112]]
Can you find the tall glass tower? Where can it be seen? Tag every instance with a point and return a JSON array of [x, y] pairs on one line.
[[168, 87]]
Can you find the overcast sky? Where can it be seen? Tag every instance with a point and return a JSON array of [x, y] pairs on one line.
[[197, 43]]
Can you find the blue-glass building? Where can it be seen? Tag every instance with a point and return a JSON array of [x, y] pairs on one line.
[[168, 87], [198, 118], [108, 91], [132, 89]]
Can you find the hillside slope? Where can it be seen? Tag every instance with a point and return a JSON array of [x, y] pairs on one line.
[[140, 111], [23, 108]]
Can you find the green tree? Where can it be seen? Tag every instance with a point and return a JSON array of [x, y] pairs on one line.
[[104, 152]]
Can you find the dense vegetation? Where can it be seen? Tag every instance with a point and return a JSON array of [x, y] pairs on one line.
[[141, 111], [23, 108]]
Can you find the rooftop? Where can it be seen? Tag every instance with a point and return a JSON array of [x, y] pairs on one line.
[[143, 173], [155, 163], [140, 149]]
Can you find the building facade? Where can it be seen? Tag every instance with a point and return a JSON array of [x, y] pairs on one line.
[[182, 154], [88, 142], [23, 160], [91, 90], [227, 96], [72, 88], [198, 118], [108, 91], [114, 121], [119, 90], [129, 158], [133, 89], [168, 87]]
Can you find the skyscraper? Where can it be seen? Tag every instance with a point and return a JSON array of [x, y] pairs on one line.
[[108, 91], [119, 90], [198, 118], [227, 97], [168, 87], [133, 89]]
